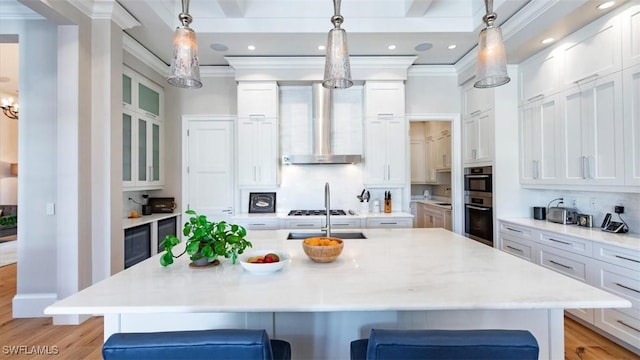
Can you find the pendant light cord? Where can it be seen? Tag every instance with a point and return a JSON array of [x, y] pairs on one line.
[[490, 16], [184, 16], [336, 19]]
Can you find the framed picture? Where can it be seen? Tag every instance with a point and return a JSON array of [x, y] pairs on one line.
[[262, 202]]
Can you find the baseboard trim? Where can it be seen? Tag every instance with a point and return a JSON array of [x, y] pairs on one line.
[[32, 305]]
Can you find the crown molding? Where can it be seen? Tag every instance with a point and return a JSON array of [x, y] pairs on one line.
[[123, 18], [216, 71], [106, 9], [134, 48], [15, 11], [432, 70]]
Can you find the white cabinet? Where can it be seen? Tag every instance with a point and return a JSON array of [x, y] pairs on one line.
[[477, 136], [258, 152], [539, 76], [593, 132], [305, 223], [388, 223], [442, 155], [631, 90], [258, 99], [341, 222], [476, 100], [142, 133], [540, 141], [630, 37], [384, 98], [385, 152], [593, 51]]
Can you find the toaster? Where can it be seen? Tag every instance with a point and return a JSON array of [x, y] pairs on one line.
[[162, 205], [562, 215]]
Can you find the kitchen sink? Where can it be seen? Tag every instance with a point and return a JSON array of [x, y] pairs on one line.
[[339, 235]]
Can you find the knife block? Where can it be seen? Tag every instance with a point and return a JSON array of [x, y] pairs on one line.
[[387, 206]]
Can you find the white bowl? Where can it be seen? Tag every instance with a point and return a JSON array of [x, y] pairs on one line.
[[263, 268]]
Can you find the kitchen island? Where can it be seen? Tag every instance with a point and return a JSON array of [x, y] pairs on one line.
[[396, 278]]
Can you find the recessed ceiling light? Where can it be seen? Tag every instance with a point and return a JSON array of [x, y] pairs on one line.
[[321, 47], [548, 40], [452, 46], [251, 47], [605, 5], [219, 47], [423, 47], [391, 47]]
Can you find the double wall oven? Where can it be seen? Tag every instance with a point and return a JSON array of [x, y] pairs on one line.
[[478, 204]]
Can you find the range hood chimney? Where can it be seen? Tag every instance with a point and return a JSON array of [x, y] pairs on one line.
[[321, 134]]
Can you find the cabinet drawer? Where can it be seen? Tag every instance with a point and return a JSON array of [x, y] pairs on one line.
[[564, 262], [519, 231], [577, 246], [340, 223], [303, 223], [587, 315], [618, 324], [512, 245], [622, 282], [618, 256], [388, 223]]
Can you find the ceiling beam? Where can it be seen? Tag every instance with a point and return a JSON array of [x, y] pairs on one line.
[[416, 8], [232, 8]]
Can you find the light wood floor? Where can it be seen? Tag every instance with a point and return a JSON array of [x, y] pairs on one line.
[[84, 341]]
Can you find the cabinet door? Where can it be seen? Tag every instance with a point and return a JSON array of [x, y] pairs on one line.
[[143, 126], [485, 137], [418, 162], [430, 156], [247, 150], [539, 76], [593, 132], [149, 97], [127, 89], [630, 37], [384, 98], [632, 124], [540, 136], [476, 100], [375, 152], [470, 136], [267, 152], [129, 149], [396, 153], [156, 153], [258, 98]]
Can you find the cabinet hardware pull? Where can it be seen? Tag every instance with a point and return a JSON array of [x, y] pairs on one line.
[[473, 152], [537, 97], [478, 208], [516, 249], [560, 241], [339, 224], [476, 112], [388, 223], [258, 224], [304, 224], [516, 230], [627, 325], [628, 288], [584, 167], [626, 258], [586, 78], [563, 265], [476, 176]]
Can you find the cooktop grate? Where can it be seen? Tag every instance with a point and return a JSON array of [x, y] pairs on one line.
[[315, 212]]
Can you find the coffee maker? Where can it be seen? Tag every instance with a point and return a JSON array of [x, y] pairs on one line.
[[146, 208]]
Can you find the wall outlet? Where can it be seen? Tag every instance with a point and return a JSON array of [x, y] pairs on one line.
[[592, 203], [51, 208], [619, 209]]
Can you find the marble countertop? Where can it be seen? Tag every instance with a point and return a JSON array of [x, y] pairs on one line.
[[146, 219], [628, 240], [358, 215], [394, 269]]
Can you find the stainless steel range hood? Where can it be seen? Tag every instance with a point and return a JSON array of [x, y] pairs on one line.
[[321, 134]]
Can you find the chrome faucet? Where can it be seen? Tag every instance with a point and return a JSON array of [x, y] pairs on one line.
[[327, 205]]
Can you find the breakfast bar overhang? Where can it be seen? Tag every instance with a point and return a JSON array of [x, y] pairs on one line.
[[396, 278]]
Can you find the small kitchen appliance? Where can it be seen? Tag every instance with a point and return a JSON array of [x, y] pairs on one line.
[[162, 205], [539, 212], [562, 215]]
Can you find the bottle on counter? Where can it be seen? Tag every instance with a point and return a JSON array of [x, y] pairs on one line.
[[387, 202]]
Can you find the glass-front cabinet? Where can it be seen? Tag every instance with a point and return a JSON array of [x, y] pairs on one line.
[[142, 132]]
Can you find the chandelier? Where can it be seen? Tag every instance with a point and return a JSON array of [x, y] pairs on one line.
[[10, 108]]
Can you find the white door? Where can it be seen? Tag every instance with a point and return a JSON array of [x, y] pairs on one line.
[[267, 152], [470, 138], [209, 188], [396, 153]]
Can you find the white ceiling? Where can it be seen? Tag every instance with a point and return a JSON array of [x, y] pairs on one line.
[[297, 27]]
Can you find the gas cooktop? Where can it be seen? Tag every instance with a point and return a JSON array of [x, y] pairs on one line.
[[315, 212]]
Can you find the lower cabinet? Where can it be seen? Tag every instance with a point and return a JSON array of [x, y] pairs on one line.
[[611, 268], [137, 244], [433, 217], [259, 224], [381, 223]]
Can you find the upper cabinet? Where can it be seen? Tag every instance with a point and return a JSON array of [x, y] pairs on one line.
[[384, 98], [591, 52], [142, 133], [631, 37], [631, 89], [475, 101], [477, 138], [385, 151], [258, 160], [258, 99], [539, 76]]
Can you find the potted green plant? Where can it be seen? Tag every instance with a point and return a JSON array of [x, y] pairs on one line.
[[206, 241]]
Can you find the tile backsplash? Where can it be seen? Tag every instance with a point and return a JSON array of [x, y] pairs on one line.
[[599, 204]]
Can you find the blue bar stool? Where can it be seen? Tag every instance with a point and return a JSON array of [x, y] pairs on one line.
[[195, 345], [446, 344]]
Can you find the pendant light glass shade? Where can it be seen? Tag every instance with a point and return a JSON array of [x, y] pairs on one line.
[[491, 70], [185, 68], [337, 69]]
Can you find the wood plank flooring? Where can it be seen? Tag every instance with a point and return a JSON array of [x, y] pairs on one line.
[[84, 341]]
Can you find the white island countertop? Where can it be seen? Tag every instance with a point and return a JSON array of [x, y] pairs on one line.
[[394, 269]]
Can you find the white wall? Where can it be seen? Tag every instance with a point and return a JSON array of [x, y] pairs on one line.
[[432, 90], [8, 155]]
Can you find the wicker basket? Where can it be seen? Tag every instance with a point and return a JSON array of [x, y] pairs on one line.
[[323, 253]]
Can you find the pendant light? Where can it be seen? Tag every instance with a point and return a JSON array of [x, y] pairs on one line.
[[337, 70], [185, 70], [491, 68]]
